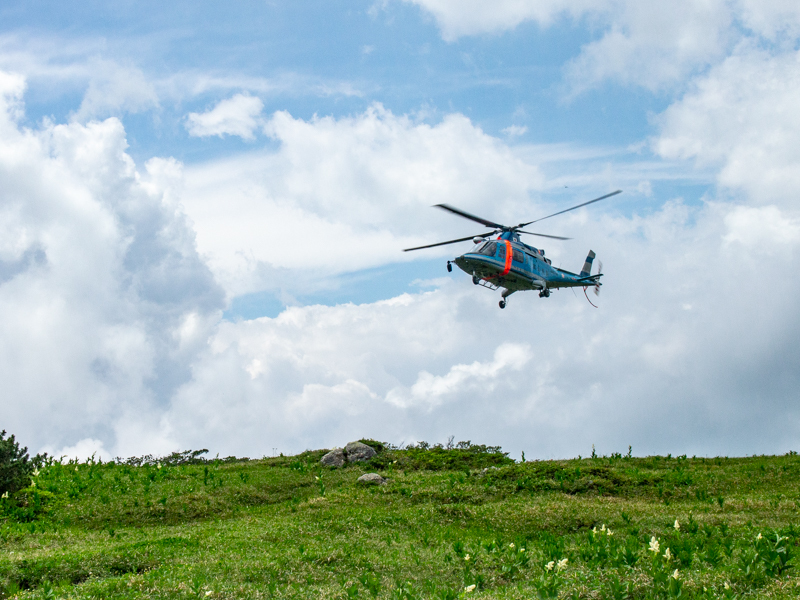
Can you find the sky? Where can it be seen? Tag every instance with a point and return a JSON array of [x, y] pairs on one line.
[[203, 209]]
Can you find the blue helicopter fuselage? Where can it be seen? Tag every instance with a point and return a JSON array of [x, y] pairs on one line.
[[507, 262]]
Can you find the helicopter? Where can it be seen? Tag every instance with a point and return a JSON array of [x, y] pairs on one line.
[[508, 263]]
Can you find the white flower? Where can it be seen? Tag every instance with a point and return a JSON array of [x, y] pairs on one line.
[[654, 547], [667, 554], [549, 566], [469, 588], [466, 557], [677, 525], [511, 545], [726, 585], [33, 484], [158, 465], [562, 563], [209, 592], [522, 549], [76, 467], [758, 537], [594, 529], [36, 472], [675, 574], [5, 495], [609, 532], [603, 528]]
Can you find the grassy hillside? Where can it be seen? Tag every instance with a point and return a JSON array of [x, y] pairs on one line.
[[461, 523]]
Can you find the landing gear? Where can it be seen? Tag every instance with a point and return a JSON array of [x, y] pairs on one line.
[[545, 293], [475, 279], [502, 303], [449, 267]]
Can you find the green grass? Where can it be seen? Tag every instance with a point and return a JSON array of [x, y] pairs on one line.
[[446, 521]]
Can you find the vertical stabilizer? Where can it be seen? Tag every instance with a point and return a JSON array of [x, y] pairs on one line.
[[587, 266]]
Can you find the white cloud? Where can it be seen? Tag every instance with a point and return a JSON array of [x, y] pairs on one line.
[[239, 115], [99, 276], [515, 130], [115, 89], [458, 18], [547, 376], [654, 45], [358, 189], [477, 377], [83, 450], [763, 230], [773, 19], [742, 119]]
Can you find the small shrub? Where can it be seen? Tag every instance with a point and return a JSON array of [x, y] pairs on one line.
[[16, 467]]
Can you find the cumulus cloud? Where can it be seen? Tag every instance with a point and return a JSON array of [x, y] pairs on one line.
[[358, 188], [742, 119], [685, 352], [773, 20], [104, 286], [477, 377], [652, 45], [239, 115]]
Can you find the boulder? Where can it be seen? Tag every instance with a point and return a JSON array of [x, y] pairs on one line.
[[372, 479], [334, 458], [357, 452]]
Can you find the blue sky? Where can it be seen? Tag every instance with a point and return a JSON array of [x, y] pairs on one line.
[[217, 197]]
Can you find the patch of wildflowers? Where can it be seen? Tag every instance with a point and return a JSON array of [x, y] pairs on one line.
[[654, 545]]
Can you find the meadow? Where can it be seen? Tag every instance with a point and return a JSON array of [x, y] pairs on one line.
[[459, 522]]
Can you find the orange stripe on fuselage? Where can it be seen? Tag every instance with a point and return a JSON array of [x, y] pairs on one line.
[[507, 266], [509, 254]]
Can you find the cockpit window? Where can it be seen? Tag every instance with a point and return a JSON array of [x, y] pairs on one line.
[[489, 249], [517, 256]]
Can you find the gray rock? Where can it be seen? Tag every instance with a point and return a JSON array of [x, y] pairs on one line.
[[356, 451], [334, 458], [372, 479]]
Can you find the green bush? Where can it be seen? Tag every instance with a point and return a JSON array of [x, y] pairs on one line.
[[16, 466]]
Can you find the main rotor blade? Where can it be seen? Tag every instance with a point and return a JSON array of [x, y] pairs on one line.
[[552, 237], [561, 212], [466, 215], [482, 235]]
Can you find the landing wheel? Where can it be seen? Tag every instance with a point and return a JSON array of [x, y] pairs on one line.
[[502, 303], [475, 279], [449, 267], [544, 294]]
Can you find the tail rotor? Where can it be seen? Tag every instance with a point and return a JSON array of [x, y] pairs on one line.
[[597, 285]]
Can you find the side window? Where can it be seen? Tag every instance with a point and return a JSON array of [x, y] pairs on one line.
[[501, 251], [517, 256], [488, 249]]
